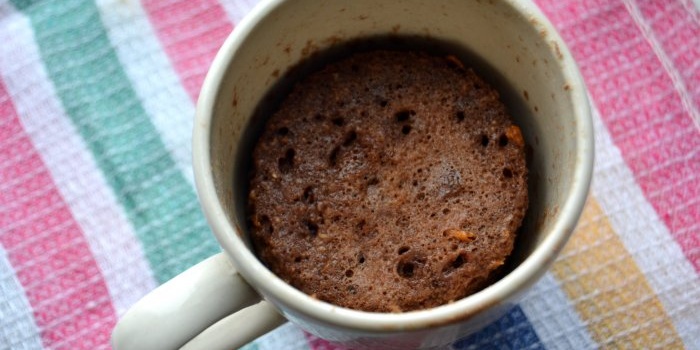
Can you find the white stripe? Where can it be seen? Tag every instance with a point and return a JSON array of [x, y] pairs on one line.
[[554, 318], [689, 7], [17, 327], [646, 237], [237, 9], [78, 178], [287, 336], [666, 62], [152, 77]]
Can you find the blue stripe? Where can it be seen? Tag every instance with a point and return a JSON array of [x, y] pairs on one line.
[[512, 331]]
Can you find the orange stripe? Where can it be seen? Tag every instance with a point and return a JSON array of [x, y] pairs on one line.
[[609, 290]]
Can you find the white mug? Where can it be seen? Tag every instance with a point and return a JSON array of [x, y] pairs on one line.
[[232, 298]]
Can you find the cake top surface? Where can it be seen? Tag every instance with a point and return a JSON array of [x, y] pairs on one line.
[[388, 181]]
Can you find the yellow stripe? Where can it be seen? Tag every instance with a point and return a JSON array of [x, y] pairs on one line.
[[609, 290]]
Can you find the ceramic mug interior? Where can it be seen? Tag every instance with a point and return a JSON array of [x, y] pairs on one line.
[[512, 46]]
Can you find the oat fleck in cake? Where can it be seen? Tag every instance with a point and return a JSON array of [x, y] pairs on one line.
[[388, 181]]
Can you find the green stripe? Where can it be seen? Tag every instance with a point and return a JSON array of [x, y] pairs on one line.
[[99, 99]]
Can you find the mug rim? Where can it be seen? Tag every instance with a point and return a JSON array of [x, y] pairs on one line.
[[268, 284]]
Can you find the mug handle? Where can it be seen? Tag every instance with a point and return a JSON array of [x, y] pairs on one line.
[[209, 306]]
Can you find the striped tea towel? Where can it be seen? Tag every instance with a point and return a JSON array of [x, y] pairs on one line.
[[97, 205]]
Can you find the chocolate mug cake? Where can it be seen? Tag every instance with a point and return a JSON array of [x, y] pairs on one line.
[[388, 181]]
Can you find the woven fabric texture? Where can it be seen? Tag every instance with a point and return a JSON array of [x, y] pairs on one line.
[[98, 207]]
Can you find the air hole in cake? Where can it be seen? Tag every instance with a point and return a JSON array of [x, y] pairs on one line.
[[319, 117], [297, 259], [350, 138], [403, 250], [349, 273], [420, 196], [266, 224], [373, 182], [484, 140], [446, 211], [503, 140], [361, 259], [460, 116], [312, 227], [406, 129], [415, 183], [339, 121], [458, 261], [507, 173], [402, 221], [283, 131], [383, 103], [402, 116], [308, 195], [406, 269], [286, 163], [333, 157]]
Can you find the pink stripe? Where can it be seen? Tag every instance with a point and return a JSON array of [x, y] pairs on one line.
[[678, 32], [641, 109], [191, 31], [316, 343], [46, 247]]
